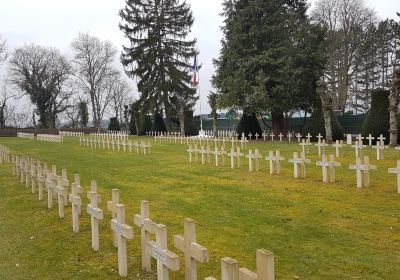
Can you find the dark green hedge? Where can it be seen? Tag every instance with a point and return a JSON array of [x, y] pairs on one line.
[[159, 124], [145, 125], [191, 128], [247, 124], [114, 124], [377, 121]]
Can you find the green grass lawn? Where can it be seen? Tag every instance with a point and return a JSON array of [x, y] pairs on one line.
[[316, 230]]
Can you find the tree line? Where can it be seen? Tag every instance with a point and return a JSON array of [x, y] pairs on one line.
[[158, 58], [275, 54]]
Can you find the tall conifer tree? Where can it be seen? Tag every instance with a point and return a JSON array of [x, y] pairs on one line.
[[271, 58], [159, 54]]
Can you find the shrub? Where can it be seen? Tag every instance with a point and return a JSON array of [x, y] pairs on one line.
[[377, 121], [114, 124], [191, 128], [158, 124], [248, 124], [145, 124]]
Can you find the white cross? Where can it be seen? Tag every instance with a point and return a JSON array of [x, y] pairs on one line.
[[280, 137], [147, 227], [296, 160], [203, 153], [379, 150], [193, 251], [289, 136], [362, 171], [96, 214], [308, 137], [381, 138], [298, 135], [190, 153], [252, 156], [396, 171], [232, 155], [159, 250], [319, 137], [76, 202], [337, 146], [274, 158], [325, 164], [265, 268], [370, 138], [123, 232], [358, 148], [60, 191], [272, 136], [112, 206]]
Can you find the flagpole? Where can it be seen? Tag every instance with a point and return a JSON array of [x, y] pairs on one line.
[[201, 117]]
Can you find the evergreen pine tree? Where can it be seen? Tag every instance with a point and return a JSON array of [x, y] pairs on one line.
[[159, 52], [271, 58]]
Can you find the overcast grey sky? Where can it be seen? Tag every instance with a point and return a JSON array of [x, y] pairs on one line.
[[57, 22]]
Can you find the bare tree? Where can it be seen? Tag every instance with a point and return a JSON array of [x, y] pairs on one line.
[[3, 51], [93, 60], [345, 20], [41, 73], [6, 95], [119, 93], [394, 107]]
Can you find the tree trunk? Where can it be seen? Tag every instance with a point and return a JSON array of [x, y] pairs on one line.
[[328, 126], [394, 107], [182, 120], [278, 123], [326, 107], [2, 115], [214, 123], [95, 119]]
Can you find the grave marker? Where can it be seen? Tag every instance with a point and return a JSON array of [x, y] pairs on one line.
[[193, 251], [289, 136], [96, 214], [147, 227], [325, 164], [112, 206], [379, 150], [396, 171], [190, 153], [274, 158], [76, 202], [123, 232], [60, 191], [337, 146], [298, 136], [165, 258], [362, 171], [370, 138]]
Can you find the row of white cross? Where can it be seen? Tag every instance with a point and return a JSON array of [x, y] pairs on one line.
[[71, 133], [121, 135], [153, 235], [119, 145], [327, 164], [50, 138], [26, 135]]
